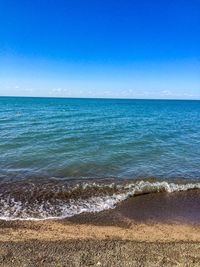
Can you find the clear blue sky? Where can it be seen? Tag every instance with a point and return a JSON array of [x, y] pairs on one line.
[[104, 48]]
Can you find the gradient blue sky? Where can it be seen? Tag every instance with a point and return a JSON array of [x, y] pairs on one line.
[[104, 48]]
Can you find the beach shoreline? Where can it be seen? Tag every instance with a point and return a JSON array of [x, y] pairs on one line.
[[64, 243], [146, 230]]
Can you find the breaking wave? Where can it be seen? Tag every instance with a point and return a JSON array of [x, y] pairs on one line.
[[30, 201]]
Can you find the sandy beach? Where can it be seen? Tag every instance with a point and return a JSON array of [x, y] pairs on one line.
[[61, 243], [108, 238]]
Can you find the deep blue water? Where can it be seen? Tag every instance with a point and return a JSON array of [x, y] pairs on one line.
[[74, 138]]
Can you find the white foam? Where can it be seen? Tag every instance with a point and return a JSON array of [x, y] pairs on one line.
[[15, 210]]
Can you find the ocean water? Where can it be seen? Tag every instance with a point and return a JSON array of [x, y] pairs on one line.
[[60, 157]]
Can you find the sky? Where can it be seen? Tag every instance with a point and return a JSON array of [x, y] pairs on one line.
[[100, 48]]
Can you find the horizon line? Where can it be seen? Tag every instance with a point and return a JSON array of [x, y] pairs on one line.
[[104, 98]]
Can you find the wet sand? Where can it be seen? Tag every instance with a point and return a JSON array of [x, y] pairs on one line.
[[150, 230]]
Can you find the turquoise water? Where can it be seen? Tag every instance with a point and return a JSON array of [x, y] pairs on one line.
[[99, 138], [49, 139]]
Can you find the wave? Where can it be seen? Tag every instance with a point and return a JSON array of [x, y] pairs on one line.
[[50, 201]]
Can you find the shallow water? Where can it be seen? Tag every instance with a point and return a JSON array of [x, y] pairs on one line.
[[56, 144]]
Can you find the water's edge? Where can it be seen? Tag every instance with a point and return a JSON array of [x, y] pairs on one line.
[[30, 201]]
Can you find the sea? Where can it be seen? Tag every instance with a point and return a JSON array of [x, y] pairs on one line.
[[60, 157]]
